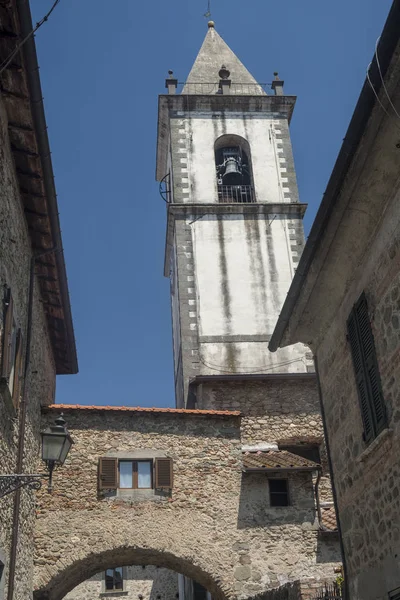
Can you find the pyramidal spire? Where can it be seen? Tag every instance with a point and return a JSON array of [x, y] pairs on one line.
[[204, 77]]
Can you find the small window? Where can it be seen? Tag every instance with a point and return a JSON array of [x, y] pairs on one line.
[[132, 474], [136, 474], [114, 579], [1, 571], [11, 361], [278, 492]]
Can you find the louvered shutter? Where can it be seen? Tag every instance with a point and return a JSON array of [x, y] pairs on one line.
[[164, 473], [108, 473], [371, 365], [7, 333], [359, 372], [18, 370]]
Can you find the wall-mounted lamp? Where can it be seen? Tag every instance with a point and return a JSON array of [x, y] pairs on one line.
[[56, 443]]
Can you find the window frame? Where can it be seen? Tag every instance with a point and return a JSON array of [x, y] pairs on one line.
[[114, 589], [135, 473], [271, 493]]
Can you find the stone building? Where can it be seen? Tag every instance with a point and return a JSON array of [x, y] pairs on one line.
[[37, 340], [344, 303], [137, 582], [212, 510], [231, 489]]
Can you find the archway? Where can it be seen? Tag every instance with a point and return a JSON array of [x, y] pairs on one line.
[[56, 583]]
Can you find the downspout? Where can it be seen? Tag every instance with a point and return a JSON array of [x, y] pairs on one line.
[[328, 451], [23, 407], [316, 490]]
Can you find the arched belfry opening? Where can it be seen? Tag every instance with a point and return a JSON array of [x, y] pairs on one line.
[[233, 170]]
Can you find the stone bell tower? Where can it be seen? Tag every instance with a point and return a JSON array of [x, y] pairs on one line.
[[234, 221]]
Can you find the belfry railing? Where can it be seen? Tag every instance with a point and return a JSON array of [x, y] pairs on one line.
[[235, 194]]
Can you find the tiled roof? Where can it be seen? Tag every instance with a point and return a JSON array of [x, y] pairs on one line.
[[179, 411], [276, 460], [328, 518]]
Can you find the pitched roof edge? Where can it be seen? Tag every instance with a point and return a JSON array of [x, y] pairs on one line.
[[143, 409], [38, 115], [362, 112]]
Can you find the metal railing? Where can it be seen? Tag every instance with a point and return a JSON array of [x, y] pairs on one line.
[[247, 89], [235, 194], [330, 592]]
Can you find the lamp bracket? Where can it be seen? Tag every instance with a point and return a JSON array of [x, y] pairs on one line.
[[11, 483]]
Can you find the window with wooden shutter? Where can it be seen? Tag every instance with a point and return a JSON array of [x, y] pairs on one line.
[[108, 473], [163, 473], [366, 370], [8, 323]]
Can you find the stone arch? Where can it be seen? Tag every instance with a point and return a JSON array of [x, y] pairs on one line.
[[238, 144], [58, 584], [65, 556]]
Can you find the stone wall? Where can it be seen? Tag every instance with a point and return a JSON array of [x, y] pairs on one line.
[[276, 409], [216, 526], [15, 251], [151, 583], [367, 478]]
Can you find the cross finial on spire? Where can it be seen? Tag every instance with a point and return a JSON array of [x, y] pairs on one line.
[[208, 13]]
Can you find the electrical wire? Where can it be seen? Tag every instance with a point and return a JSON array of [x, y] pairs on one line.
[[8, 60], [377, 97], [383, 83]]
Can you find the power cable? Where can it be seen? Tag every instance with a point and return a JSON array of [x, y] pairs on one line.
[[383, 83], [8, 60]]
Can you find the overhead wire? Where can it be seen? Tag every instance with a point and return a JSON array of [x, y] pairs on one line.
[[383, 83], [384, 87], [10, 57]]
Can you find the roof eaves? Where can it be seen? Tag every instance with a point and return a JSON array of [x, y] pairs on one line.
[[366, 102], [37, 109]]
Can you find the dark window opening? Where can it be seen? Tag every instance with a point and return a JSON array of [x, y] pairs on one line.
[[114, 579], [366, 370], [1, 571], [395, 594], [199, 592], [233, 175], [308, 451], [278, 492]]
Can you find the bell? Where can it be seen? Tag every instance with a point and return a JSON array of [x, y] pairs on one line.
[[232, 175]]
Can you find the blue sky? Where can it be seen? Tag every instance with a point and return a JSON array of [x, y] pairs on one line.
[[102, 67]]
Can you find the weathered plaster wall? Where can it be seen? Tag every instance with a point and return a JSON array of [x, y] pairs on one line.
[[148, 581], [15, 251], [367, 479], [217, 526], [193, 136]]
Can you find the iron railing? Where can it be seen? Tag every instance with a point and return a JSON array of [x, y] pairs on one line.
[[235, 194], [330, 592], [247, 89]]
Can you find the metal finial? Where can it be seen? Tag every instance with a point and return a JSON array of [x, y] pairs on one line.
[[170, 73]]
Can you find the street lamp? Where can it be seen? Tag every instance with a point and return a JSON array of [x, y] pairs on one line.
[[56, 443]]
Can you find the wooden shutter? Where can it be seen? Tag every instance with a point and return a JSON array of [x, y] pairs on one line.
[[366, 370], [108, 473], [361, 383], [7, 335], [18, 370], [164, 473], [371, 365]]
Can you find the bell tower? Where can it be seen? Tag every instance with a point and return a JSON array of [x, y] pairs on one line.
[[234, 220]]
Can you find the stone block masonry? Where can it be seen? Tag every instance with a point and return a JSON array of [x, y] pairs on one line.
[[215, 526]]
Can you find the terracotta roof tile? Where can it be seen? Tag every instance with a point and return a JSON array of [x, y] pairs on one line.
[[328, 518], [276, 460], [179, 411]]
